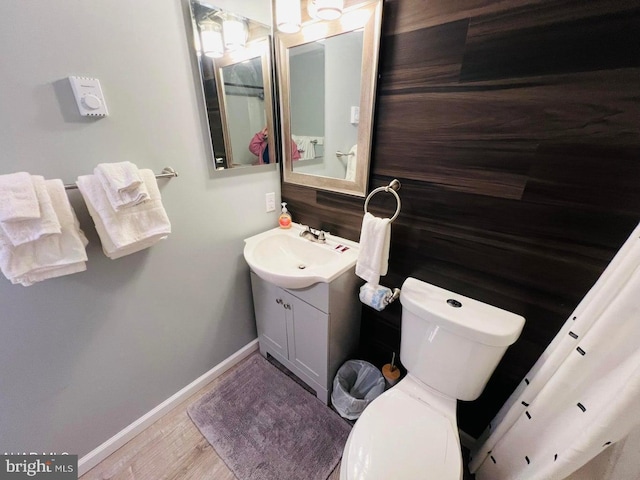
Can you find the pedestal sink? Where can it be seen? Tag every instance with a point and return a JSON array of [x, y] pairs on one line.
[[282, 257]]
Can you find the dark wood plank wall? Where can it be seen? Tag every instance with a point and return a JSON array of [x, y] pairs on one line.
[[514, 128]]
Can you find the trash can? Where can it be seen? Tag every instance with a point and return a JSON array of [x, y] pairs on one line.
[[356, 384]]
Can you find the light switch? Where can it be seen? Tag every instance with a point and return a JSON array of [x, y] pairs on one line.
[[89, 97], [355, 115]]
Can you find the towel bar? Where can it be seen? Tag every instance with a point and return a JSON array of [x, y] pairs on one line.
[[393, 187], [342, 154], [167, 172]]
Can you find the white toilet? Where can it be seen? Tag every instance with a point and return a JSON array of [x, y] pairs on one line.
[[450, 346]]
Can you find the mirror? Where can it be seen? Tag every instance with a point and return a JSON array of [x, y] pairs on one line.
[[327, 86], [234, 55]]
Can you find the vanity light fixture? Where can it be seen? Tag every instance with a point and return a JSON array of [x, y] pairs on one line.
[[235, 32], [288, 16], [211, 39], [325, 9]]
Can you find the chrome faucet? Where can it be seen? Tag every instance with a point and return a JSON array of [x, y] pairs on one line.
[[313, 235]]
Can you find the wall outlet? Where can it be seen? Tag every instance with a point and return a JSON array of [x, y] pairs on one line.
[[270, 202]]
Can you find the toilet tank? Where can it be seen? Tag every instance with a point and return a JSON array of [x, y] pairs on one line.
[[450, 342]]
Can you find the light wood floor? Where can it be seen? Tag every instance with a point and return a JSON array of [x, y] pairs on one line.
[[171, 448]]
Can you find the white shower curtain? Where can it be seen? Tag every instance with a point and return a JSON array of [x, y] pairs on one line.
[[583, 394]]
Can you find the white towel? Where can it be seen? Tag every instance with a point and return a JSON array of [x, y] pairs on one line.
[[122, 183], [375, 238], [24, 231], [305, 146], [352, 163], [128, 230], [18, 199], [51, 256], [121, 176]]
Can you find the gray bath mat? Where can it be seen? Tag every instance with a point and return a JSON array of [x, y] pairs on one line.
[[267, 427]]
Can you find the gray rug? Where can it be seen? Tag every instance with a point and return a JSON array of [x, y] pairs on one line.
[[267, 427]]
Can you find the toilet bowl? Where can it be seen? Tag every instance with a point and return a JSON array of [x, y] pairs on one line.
[[405, 430], [450, 345]]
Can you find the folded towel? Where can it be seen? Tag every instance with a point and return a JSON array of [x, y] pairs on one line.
[[24, 231], [50, 256], [131, 229], [18, 199], [50, 272], [373, 258], [121, 176], [122, 183]]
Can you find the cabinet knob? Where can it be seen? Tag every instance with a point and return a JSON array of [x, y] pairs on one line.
[[287, 306], [279, 301]]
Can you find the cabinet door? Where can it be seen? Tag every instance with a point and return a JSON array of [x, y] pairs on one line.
[[270, 315], [308, 330]]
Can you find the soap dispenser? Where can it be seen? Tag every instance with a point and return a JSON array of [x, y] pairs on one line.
[[285, 217]]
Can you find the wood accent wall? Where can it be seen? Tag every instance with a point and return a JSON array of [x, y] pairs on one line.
[[514, 127]]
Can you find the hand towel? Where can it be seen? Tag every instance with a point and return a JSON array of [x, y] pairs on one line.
[[352, 163], [306, 146], [18, 199], [122, 183], [373, 258], [24, 231], [129, 230], [51, 256], [121, 176]]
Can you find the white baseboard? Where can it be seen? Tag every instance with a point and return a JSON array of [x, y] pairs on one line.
[[94, 457]]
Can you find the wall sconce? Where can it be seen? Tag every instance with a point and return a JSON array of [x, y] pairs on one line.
[[211, 39], [235, 32], [288, 16], [325, 9]]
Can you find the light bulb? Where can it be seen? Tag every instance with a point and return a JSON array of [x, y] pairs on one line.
[[211, 35], [288, 16], [235, 33], [327, 9]]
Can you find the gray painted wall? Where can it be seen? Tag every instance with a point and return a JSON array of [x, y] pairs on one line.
[[343, 64], [307, 93], [85, 355]]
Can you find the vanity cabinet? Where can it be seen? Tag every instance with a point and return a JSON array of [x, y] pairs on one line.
[[312, 331]]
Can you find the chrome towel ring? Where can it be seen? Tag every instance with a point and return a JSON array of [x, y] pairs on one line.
[[392, 188]]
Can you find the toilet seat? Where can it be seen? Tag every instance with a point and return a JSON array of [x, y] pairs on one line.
[[401, 437]]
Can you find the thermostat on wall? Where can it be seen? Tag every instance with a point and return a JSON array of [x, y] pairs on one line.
[[89, 96]]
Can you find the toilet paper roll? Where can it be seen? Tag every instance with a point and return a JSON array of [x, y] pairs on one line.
[[376, 296], [391, 374]]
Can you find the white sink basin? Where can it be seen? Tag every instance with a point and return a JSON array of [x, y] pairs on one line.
[[283, 257]]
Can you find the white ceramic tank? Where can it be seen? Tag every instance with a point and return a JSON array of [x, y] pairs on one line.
[[450, 342]]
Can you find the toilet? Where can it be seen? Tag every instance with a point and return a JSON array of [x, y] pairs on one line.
[[450, 346]]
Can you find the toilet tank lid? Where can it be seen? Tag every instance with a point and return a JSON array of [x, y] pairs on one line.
[[462, 315]]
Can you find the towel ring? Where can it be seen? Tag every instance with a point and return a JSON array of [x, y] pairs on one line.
[[391, 188]]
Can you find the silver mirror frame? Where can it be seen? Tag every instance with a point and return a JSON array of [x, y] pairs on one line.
[[215, 125], [367, 16], [262, 49]]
